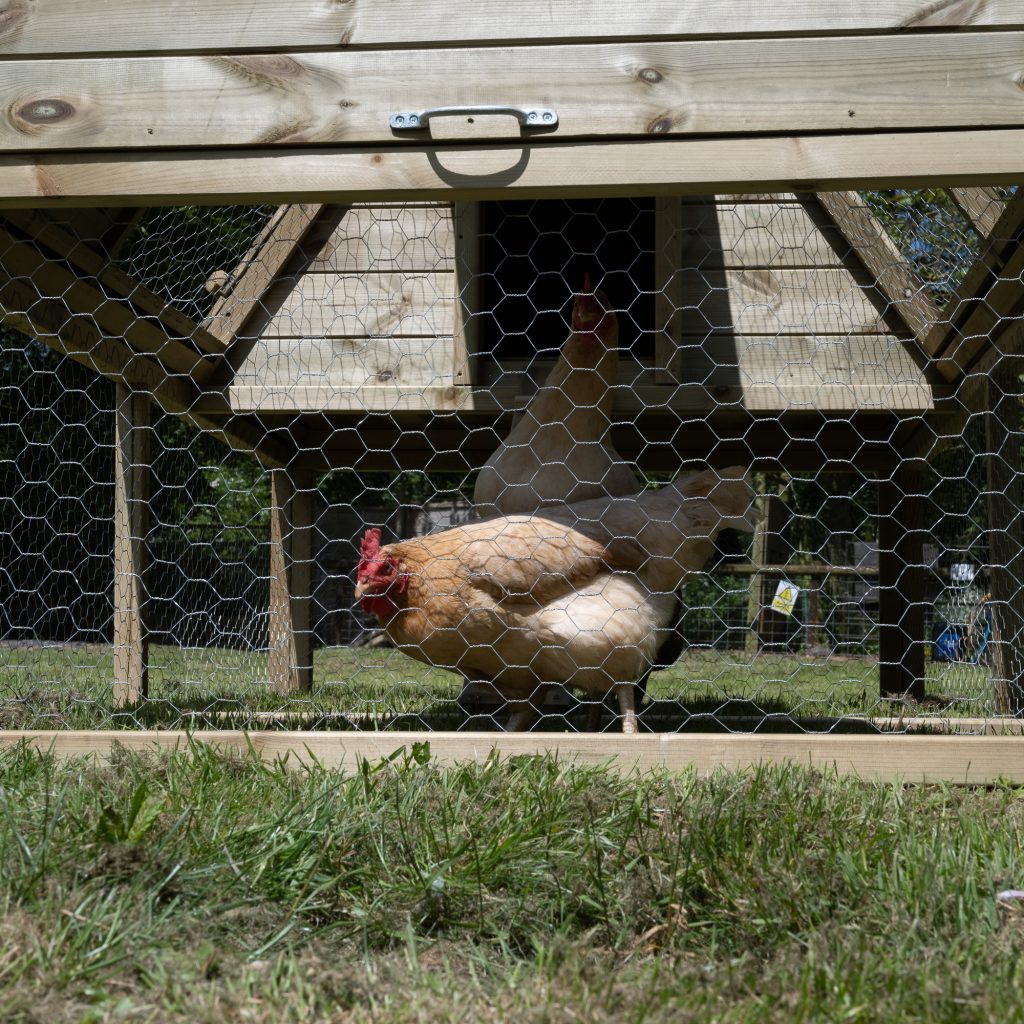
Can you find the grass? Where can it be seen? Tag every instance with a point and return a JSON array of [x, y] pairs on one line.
[[198, 888], [68, 687]]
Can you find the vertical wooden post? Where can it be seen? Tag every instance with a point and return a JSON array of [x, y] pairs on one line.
[[467, 283], [752, 641], [290, 656], [131, 525], [814, 587], [1004, 423], [901, 584]]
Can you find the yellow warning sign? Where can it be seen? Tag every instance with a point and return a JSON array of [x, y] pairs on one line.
[[785, 598]]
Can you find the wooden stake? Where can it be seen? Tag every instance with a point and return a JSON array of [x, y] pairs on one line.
[[131, 525], [290, 660], [1004, 422]]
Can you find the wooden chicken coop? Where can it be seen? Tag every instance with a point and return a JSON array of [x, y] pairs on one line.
[[778, 325]]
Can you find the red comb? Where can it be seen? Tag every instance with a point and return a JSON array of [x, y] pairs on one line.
[[370, 544]]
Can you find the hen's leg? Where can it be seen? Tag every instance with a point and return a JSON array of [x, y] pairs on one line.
[[526, 712], [627, 706]]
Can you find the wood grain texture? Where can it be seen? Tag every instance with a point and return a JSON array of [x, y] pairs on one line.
[[906, 294], [967, 325], [70, 26], [132, 471], [739, 235], [55, 325], [361, 305], [387, 238], [669, 166], [716, 87], [467, 285], [981, 206], [290, 638], [774, 399], [266, 258], [960, 760], [788, 301], [100, 271], [50, 279], [345, 363]]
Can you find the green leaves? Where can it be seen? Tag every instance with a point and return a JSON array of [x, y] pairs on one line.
[[131, 825]]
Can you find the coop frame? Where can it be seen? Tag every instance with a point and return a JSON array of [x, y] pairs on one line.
[[78, 151]]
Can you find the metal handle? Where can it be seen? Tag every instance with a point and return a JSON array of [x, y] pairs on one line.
[[528, 117]]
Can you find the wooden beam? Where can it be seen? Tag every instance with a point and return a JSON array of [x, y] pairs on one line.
[[969, 317], [1004, 434], [960, 760], [668, 281], [51, 322], [895, 278], [653, 167], [906, 397], [981, 206], [98, 267], [241, 291], [706, 87], [901, 584], [467, 287], [52, 281], [290, 663], [131, 529], [71, 26]]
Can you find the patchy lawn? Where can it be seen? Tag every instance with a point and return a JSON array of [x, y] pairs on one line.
[[194, 887]]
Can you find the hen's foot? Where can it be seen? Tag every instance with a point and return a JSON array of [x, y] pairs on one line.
[[627, 708]]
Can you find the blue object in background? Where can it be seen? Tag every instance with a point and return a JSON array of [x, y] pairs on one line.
[[949, 644]]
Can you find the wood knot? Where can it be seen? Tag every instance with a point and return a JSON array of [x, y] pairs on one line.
[[12, 17], [48, 111], [660, 126], [649, 75], [385, 375], [266, 69]]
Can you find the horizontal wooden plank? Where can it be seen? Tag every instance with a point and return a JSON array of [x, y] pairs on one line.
[[668, 166], [356, 305], [970, 760], [907, 397], [738, 235], [413, 237], [344, 363], [74, 26], [827, 301], [709, 87], [793, 363]]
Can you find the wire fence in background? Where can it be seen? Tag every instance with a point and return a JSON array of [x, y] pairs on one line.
[[836, 346]]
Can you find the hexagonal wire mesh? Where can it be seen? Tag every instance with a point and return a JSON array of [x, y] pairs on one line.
[[205, 410]]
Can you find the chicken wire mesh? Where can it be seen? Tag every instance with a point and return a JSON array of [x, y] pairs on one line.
[[207, 412]]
